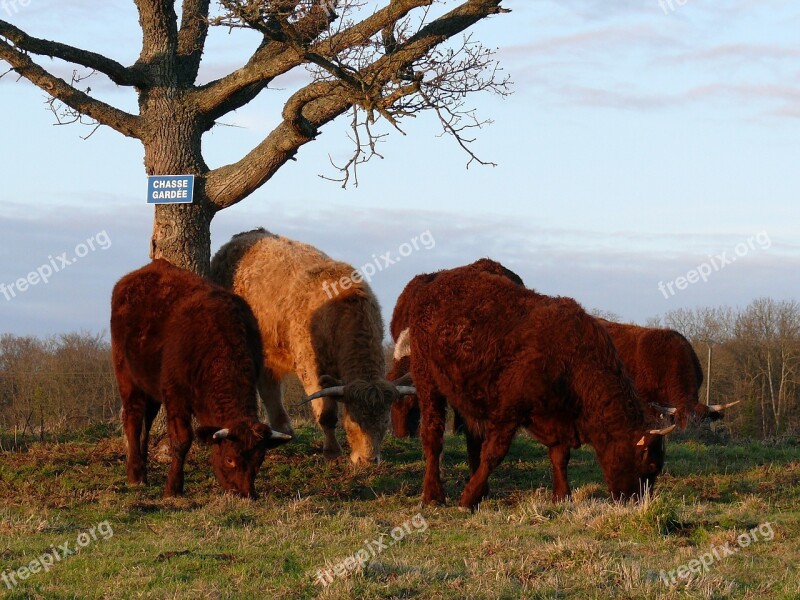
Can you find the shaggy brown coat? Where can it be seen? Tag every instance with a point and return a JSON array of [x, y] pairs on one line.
[[505, 358], [314, 327], [662, 363], [666, 374], [664, 367], [405, 412], [194, 347]]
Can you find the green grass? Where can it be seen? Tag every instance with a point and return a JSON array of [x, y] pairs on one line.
[[314, 514]]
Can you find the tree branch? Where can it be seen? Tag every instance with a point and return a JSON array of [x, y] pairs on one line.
[[322, 101], [119, 120], [113, 70], [233, 91], [228, 185], [433, 34], [159, 25], [361, 32], [192, 37], [280, 51], [274, 58]]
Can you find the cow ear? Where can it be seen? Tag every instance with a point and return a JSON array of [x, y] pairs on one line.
[[404, 380], [326, 381], [206, 434], [269, 438]]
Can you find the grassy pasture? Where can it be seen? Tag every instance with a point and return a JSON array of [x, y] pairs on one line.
[[315, 514]]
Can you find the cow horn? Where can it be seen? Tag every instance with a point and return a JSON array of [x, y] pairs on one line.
[[667, 410], [406, 390], [664, 431], [331, 392], [221, 434], [277, 435], [404, 380], [721, 407]]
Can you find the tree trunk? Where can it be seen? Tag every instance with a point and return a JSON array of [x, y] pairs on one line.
[[172, 136], [182, 235]]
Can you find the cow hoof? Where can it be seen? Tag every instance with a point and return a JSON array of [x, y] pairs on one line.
[[331, 453], [283, 428], [467, 509], [433, 500]]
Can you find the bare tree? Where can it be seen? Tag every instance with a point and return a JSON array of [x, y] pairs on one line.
[[608, 315], [771, 330], [379, 59], [57, 384]]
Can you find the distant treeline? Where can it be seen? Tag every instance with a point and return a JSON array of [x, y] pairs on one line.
[[61, 383], [66, 383]]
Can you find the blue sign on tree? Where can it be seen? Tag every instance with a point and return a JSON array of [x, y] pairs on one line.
[[170, 189]]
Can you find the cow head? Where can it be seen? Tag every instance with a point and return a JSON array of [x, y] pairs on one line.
[[367, 405], [713, 412], [237, 453], [406, 417], [405, 412], [632, 463], [693, 411]]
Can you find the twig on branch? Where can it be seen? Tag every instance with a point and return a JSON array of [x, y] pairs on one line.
[[364, 151], [67, 116], [77, 100]]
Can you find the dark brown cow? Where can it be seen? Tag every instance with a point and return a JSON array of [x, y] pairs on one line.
[[667, 376], [405, 412], [506, 358], [183, 342], [665, 370]]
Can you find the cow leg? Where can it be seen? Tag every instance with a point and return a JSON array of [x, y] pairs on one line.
[[269, 388], [133, 409], [494, 449], [150, 412], [405, 417], [326, 412], [180, 437], [559, 457], [458, 423], [474, 444], [434, 413]]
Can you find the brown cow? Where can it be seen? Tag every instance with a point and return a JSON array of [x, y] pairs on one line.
[[405, 412], [321, 321], [194, 347], [506, 358], [665, 370], [667, 376]]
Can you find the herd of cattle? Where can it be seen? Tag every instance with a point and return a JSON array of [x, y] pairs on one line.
[[503, 356]]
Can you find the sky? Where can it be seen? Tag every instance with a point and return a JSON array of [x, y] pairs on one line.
[[646, 161]]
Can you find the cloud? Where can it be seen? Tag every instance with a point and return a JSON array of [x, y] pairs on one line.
[[630, 56], [620, 38], [737, 53], [732, 94], [617, 272]]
